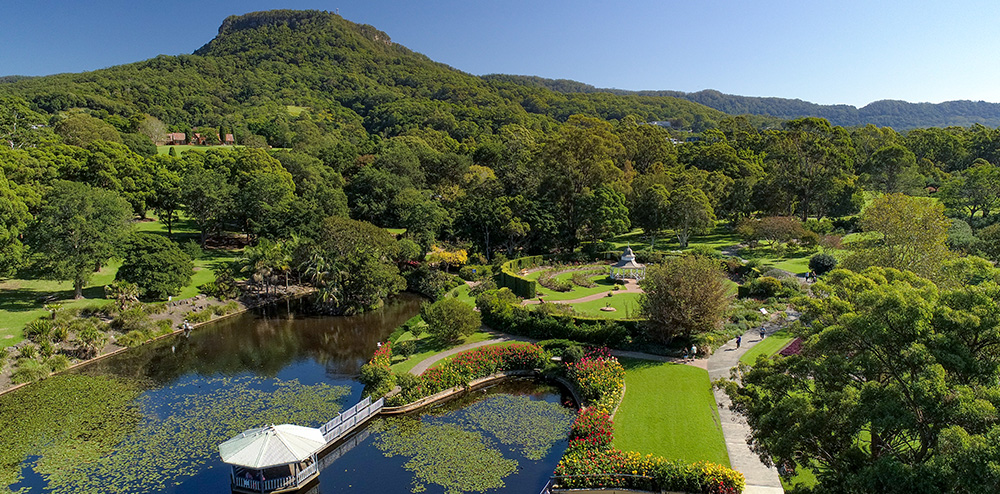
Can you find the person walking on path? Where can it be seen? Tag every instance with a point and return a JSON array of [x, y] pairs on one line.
[[739, 339], [762, 333]]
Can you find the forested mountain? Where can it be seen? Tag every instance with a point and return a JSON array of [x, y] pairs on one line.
[[899, 115], [352, 74]]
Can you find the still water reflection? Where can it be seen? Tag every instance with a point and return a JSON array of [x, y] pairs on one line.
[[282, 364]]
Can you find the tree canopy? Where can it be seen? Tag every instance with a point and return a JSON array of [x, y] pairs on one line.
[[895, 388]]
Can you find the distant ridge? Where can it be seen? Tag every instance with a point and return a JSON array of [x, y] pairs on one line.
[[262, 63], [900, 115]]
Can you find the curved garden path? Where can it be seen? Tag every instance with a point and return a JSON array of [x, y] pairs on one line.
[[503, 337], [630, 287], [760, 478]]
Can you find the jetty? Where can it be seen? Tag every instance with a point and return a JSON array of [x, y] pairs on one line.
[[285, 458]]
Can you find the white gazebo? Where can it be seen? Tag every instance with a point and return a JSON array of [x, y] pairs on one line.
[[627, 267], [275, 458]]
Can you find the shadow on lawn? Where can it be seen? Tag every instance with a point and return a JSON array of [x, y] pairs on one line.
[[25, 300]]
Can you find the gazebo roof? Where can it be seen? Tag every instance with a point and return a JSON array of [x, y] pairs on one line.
[[628, 260], [272, 446], [628, 264]]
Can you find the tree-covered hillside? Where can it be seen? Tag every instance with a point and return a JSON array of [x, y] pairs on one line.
[[353, 75], [900, 115]]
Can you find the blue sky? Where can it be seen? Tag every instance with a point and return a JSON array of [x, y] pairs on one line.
[[850, 52]]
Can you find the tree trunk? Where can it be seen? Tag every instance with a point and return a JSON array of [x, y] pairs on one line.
[[77, 289], [203, 238]]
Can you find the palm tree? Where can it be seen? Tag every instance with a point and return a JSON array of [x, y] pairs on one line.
[[325, 276]]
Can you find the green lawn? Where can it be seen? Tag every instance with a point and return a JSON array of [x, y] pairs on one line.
[[295, 110], [22, 300], [803, 478], [627, 305], [719, 238], [604, 284], [669, 411], [461, 292], [770, 346], [427, 346]]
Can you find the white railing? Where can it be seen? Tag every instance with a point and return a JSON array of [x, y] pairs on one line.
[[351, 417], [548, 487], [305, 473], [245, 483], [278, 483]]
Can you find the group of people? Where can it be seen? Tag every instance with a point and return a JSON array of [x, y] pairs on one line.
[[692, 353]]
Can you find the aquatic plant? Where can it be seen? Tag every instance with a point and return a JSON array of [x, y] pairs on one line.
[[76, 417], [454, 458], [171, 433], [534, 426]]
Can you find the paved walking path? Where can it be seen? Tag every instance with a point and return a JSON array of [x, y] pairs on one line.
[[760, 479]]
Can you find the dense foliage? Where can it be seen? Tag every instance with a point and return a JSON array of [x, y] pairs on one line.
[[450, 319], [684, 296], [894, 388], [156, 265]]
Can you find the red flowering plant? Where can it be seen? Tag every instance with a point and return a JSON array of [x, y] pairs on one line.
[[592, 429], [377, 374], [475, 364], [599, 378]]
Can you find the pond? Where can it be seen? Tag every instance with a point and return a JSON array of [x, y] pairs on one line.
[[150, 419]]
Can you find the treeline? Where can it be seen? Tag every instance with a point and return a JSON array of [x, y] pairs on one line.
[[900, 115], [397, 141]]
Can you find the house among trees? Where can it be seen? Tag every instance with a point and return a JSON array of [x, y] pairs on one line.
[[230, 140], [176, 139]]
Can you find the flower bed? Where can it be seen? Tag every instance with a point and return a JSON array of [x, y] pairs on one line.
[[591, 462], [599, 377], [548, 279], [583, 467], [468, 366], [377, 374]]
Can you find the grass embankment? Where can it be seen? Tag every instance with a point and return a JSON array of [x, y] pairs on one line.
[[718, 238], [427, 346], [461, 292], [23, 300], [770, 346], [669, 410]]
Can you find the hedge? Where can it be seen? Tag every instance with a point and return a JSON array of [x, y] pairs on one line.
[[505, 314], [510, 276]]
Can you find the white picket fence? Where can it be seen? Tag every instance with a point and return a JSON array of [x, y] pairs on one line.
[[350, 418]]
